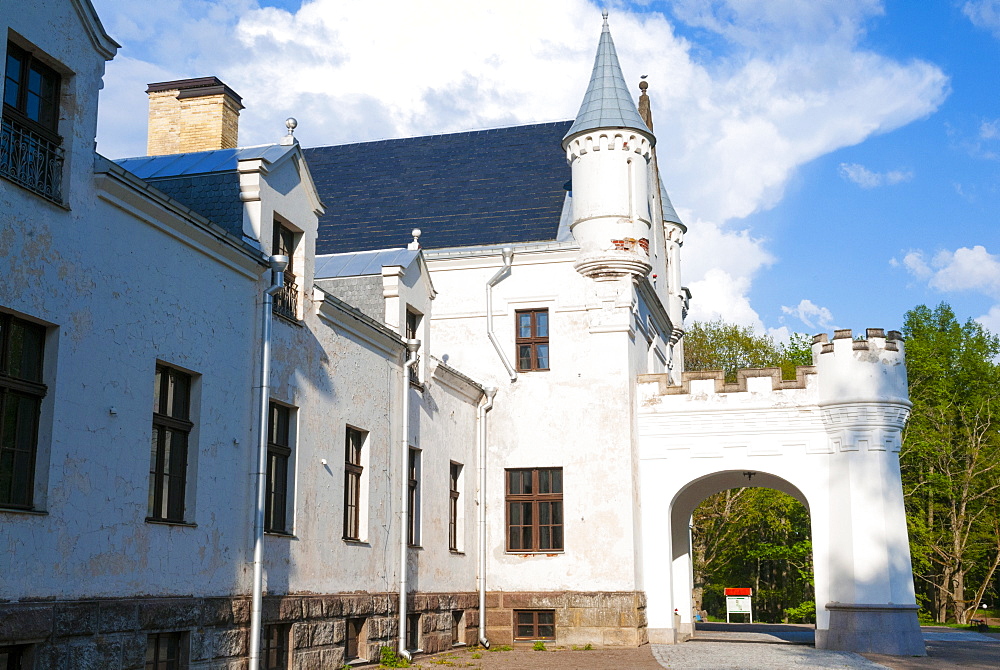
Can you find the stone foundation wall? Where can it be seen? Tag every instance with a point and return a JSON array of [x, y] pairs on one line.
[[111, 634], [600, 618]]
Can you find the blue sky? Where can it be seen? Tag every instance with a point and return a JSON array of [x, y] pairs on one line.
[[837, 162]]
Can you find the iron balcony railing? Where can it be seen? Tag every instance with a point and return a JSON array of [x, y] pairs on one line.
[[31, 160], [286, 300]]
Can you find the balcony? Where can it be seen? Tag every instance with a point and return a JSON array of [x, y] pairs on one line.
[[31, 160], [286, 300]]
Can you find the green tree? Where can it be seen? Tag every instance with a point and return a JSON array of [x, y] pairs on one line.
[[718, 345], [950, 459]]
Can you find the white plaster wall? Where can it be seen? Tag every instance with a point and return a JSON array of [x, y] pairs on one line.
[[578, 415], [122, 284]]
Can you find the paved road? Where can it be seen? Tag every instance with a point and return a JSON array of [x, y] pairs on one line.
[[767, 647]]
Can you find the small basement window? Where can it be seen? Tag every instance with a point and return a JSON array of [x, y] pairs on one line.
[[534, 624]]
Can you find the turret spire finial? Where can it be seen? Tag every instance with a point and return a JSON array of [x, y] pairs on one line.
[[605, 15]]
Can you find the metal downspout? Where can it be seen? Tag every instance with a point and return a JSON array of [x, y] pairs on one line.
[[412, 346], [490, 391], [508, 257], [278, 265]]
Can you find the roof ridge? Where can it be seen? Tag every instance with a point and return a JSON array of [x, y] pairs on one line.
[[478, 131]]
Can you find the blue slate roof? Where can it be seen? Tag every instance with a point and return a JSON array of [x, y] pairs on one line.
[[205, 181], [356, 264], [607, 103], [500, 186]]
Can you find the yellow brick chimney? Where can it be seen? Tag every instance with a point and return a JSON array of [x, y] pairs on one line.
[[192, 115]]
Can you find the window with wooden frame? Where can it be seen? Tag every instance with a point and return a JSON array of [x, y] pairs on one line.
[[166, 651], [31, 154], [15, 657], [279, 452], [168, 458], [454, 479], [286, 301], [413, 498], [532, 339], [354, 640], [22, 346], [534, 499], [353, 471], [274, 650], [534, 624]]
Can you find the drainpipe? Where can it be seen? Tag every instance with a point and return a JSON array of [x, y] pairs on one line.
[[508, 257], [412, 346], [490, 391], [278, 265]]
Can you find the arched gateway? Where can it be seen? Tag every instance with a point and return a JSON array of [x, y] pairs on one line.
[[831, 439]]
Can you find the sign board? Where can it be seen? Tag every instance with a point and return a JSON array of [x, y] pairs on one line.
[[738, 605], [739, 592]]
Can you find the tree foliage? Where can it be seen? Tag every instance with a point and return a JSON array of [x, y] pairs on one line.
[[717, 345], [950, 460]]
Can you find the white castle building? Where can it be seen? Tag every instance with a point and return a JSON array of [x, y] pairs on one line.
[[490, 417]]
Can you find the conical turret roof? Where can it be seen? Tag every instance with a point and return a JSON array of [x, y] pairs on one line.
[[607, 103]]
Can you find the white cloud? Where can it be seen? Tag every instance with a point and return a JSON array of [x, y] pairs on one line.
[[966, 269], [984, 14], [865, 178], [991, 320], [811, 314], [721, 295], [731, 131], [914, 262]]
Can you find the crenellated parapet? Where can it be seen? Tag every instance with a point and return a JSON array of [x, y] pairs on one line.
[[868, 369], [606, 139]]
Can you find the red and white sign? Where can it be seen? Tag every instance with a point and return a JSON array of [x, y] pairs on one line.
[[739, 592]]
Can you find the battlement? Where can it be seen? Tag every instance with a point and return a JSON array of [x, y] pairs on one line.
[[608, 140], [750, 379], [875, 338]]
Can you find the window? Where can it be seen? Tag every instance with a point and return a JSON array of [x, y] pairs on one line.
[[279, 451], [532, 339], [352, 483], [274, 651], [166, 651], [413, 632], [15, 657], [534, 625], [354, 640], [21, 393], [30, 151], [169, 447], [286, 301], [534, 510], [454, 478], [413, 333], [413, 498], [457, 627]]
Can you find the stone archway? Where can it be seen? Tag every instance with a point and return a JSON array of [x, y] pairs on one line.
[[831, 439]]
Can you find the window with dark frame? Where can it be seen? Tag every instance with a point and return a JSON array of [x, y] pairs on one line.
[[22, 345], [286, 301], [413, 631], [169, 447], [532, 339], [354, 639], [15, 657], [274, 651], [457, 627], [455, 475], [279, 450], [534, 500], [352, 483], [412, 333], [31, 154], [413, 498], [534, 624], [165, 651]]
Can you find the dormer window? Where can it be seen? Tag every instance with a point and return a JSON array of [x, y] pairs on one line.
[[31, 154]]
